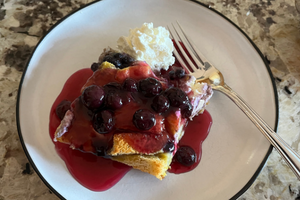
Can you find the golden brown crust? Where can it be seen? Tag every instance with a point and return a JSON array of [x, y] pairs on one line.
[[120, 146], [156, 165]]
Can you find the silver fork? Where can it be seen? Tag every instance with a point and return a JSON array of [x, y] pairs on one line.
[[206, 72]]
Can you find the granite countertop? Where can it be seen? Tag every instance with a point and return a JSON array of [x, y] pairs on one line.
[[273, 25]]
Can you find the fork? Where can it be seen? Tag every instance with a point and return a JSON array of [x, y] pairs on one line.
[[198, 66]]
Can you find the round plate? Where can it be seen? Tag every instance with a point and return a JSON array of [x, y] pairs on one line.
[[234, 152]]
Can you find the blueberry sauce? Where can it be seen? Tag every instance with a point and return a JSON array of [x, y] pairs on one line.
[[195, 133], [93, 172]]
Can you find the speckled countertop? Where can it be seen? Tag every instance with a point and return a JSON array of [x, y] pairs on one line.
[[273, 25]]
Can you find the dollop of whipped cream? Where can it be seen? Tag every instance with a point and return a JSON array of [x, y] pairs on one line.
[[149, 44]]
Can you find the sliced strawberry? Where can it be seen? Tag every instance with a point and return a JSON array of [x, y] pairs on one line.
[[101, 77], [173, 122], [122, 74], [138, 71]]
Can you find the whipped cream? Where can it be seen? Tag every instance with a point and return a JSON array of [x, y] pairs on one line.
[[149, 44]]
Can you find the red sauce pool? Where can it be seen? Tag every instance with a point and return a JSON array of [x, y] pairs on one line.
[[100, 174], [195, 133]]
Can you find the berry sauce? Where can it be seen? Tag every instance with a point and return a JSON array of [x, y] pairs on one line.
[[195, 133], [93, 172], [99, 174]]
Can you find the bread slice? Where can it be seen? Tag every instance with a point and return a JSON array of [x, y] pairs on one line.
[[156, 165]]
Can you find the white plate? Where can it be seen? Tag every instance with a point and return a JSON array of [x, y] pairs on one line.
[[234, 151]]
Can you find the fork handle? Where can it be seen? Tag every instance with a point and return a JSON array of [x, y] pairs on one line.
[[289, 155]]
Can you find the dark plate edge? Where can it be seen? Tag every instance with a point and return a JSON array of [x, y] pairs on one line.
[[249, 183], [18, 101]]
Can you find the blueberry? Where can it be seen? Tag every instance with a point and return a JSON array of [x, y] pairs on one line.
[[94, 66], [160, 104], [186, 156], [150, 87], [93, 96], [126, 60], [130, 85], [186, 110], [113, 100], [169, 147], [172, 75], [120, 60], [113, 59], [103, 121], [100, 145], [176, 97], [144, 119], [112, 87], [62, 108], [179, 73]]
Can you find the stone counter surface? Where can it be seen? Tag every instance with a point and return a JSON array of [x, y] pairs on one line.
[[273, 25]]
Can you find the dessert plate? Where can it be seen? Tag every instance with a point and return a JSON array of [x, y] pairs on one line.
[[234, 151]]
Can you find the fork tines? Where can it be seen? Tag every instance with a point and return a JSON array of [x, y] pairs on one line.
[[185, 51]]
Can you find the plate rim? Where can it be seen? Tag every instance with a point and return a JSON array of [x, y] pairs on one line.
[[241, 191]]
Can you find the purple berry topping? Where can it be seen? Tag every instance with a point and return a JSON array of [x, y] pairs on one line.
[[114, 101], [144, 119], [160, 104], [176, 97], [95, 66], [150, 87], [130, 85], [186, 156], [103, 121], [93, 96]]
